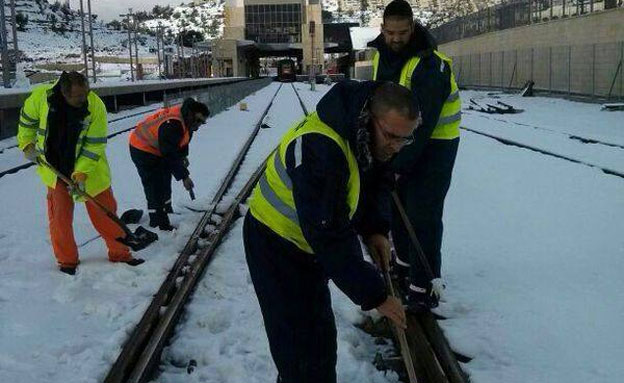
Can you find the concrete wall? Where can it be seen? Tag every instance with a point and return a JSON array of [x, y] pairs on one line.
[[599, 27], [131, 94], [580, 55]]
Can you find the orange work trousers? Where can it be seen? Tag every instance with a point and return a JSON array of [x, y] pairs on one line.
[[61, 217]]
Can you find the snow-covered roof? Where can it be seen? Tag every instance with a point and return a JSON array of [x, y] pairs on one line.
[[360, 36]]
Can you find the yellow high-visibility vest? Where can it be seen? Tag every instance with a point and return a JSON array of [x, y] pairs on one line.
[[91, 145], [272, 201], [447, 127]]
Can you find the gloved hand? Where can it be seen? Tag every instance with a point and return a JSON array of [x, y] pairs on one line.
[[436, 288], [31, 153], [79, 181], [188, 183], [186, 162]]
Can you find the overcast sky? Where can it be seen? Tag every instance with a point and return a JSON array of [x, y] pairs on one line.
[[110, 9]]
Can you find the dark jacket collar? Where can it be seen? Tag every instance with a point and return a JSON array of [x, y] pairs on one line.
[[340, 108]]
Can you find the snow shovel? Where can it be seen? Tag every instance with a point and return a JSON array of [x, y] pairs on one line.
[[138, 240], [131, 216]]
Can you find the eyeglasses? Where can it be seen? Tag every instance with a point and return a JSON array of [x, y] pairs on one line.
[[401, 140]]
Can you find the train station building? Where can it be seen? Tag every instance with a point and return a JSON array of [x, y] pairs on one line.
[[272, 28]]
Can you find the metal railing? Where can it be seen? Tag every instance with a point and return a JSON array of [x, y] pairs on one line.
[[515, 13]]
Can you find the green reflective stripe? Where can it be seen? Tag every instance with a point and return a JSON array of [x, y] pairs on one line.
[[95, 140], [375, 64], [90, 155], [281, 172], [449, 119], [28, 118], [275, 202], [453, 96], [32, 126], [29, 124], [41, 131]]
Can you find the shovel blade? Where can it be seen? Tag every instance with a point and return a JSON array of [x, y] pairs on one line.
[[140, 239], [131, 216]]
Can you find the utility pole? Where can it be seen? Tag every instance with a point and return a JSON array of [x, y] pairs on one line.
[[92, 46], [182, 50], [84, 41], [4, 46], [135, 25], [14, 24], [312, 75], [158, 28], [128, 26]]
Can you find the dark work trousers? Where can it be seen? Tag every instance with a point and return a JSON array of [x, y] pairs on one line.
[[295, 303], [155, 176], [422, 194]]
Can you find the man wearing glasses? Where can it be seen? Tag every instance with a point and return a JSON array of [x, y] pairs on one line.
[[407, 54], [159, 149], [326, 183]]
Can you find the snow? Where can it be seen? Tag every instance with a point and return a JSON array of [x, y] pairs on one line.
[[360, 36], [555, 126], [533, 258]]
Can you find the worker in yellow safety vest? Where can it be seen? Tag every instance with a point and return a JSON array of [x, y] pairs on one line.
[[407, 54], [65, 124], [326, 183]]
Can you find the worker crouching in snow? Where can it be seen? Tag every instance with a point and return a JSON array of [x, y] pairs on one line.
[[325, 184], [159, 149], [64, 124]]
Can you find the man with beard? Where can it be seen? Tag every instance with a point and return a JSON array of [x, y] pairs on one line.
[[407, 54], [326, 183]]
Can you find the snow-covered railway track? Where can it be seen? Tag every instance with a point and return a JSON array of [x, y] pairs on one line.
[[12, 149], [576, 137], [141, 352], [140, 357], [545, 151]]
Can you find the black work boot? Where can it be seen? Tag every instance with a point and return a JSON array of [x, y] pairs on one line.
[[168, 208], [160, 219], [71, 270], [134, 261], [422, 299]]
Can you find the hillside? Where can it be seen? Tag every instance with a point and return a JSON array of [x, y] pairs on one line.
[[52, 32]]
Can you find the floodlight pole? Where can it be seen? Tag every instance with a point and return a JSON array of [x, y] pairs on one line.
[[127, 16], [91, 36], [84, 40], [4, 46]]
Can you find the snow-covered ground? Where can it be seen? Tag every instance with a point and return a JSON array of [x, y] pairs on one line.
[[533, 247], [223, 330], [548, 124]]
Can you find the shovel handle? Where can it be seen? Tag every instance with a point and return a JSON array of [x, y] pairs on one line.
[[84, 194], [412, 234], [406, 354]]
